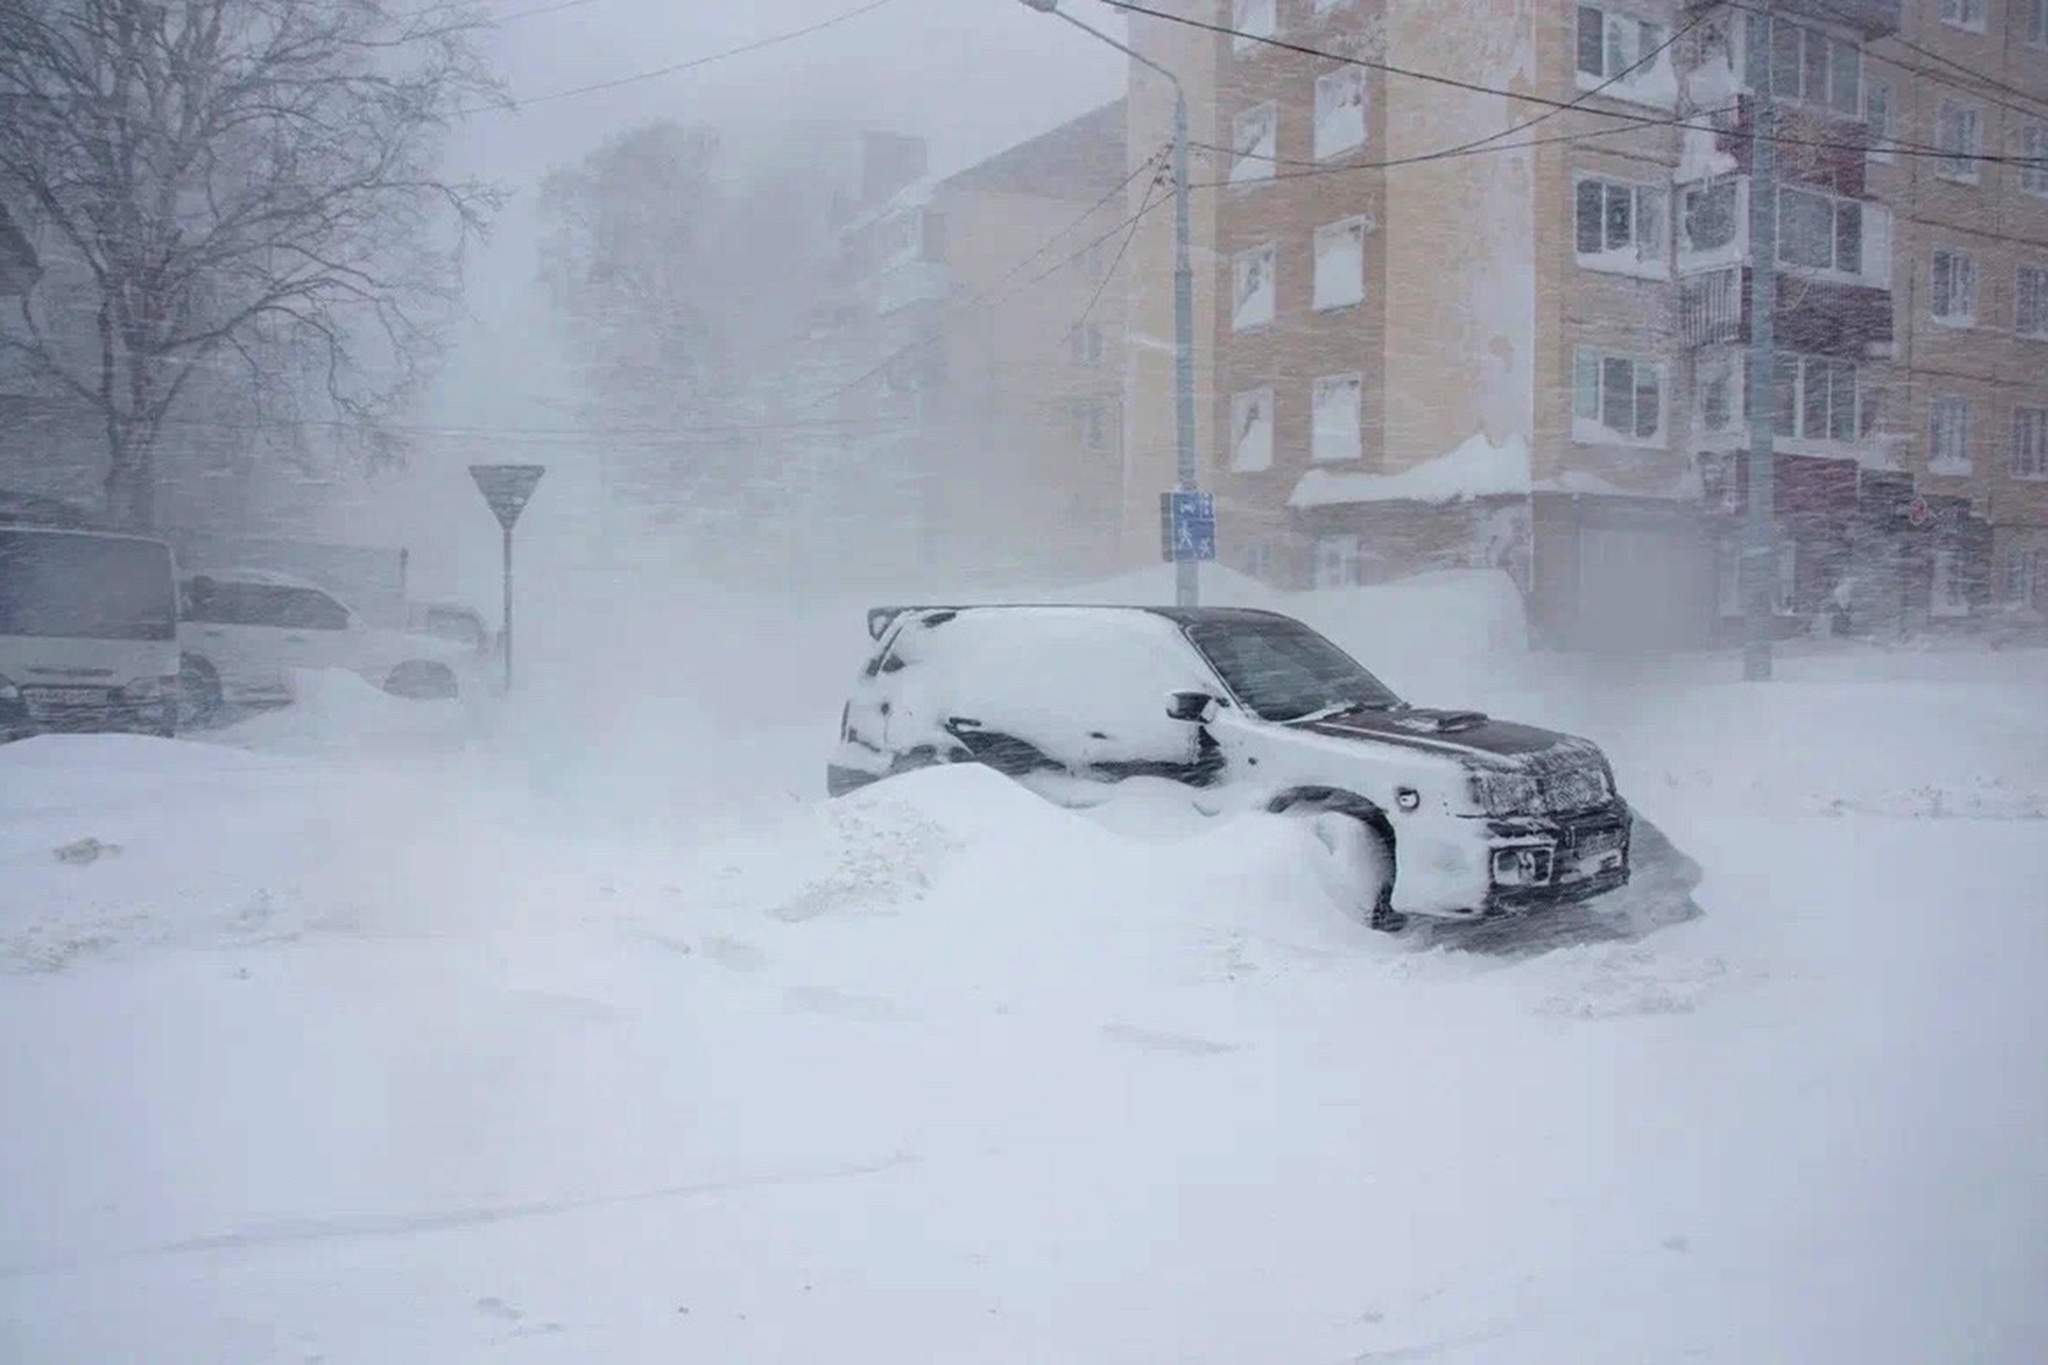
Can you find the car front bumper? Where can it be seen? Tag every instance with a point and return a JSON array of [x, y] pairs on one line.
[[142, 718], [1581, 856]]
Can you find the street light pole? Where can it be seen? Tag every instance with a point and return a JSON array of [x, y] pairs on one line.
[[1760, 551], [1187, 584]]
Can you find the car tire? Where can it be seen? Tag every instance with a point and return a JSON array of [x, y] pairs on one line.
[[1358, 871], [199, 696], [422, 680]]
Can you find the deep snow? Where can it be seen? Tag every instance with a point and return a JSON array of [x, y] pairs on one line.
[[581, 1030]]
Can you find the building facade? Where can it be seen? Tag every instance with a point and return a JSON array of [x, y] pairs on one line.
[[1463, 327]]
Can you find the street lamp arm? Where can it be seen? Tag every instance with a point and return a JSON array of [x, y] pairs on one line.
[[1140, 58]]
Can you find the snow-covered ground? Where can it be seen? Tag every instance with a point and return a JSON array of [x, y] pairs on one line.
[[581, 1030]]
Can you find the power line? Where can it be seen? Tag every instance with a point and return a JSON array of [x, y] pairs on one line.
[[1109, 271], [1647, 59], [675, 68], [1893, 148]]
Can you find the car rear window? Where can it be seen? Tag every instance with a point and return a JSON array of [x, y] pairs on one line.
[[76, 586], [230, 603]]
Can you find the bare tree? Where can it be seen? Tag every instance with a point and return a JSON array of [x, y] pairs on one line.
[[251, 190]]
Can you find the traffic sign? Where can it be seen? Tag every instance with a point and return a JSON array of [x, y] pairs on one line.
[[1187, 525], [506, 487]]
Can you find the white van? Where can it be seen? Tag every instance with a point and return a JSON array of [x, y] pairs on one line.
[[88, 632]]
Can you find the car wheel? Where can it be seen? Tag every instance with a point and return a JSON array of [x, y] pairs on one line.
[[421, 680], [1358, 867], [198, 692]]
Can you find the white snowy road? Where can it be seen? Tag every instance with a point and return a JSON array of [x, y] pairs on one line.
[[435, 1052]]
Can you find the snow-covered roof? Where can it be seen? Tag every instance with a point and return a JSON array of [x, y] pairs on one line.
[[1476, 469]]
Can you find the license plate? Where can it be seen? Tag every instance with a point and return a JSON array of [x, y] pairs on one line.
[[1595, 842], [65, 696]]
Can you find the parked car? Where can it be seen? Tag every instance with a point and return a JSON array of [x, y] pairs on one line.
[[1442, 813], [457, 622], [88, 632], [243, 633]]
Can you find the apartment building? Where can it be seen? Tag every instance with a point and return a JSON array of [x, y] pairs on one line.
[[1446, 338], [1023, 436]]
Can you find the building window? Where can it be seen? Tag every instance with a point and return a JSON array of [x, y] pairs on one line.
[[1251, 431], [2037, 24], [1948, 595], [1336, 561], [2022, 585], [1340, 111], [1616, 397], [1621, 226], [2030, 443], [1820, 231], [1254, 134], [1337, 412], [1614, 45], [1253, 306], [1953, 297], [1340, 264], [1967, 14], [1807, 64], [1877, 119], [2030, 302], [1086, 344], [1948, 435], [1323, 7], [1091, 424], [2034, 147], [1251, 20], [1816, 399], [1710, 216], [1959, 132]]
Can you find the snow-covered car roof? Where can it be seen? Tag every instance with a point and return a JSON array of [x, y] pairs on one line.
[[881, 618], [264, 578]]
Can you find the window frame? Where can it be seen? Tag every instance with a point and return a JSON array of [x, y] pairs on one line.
[[1355, 223], [1659, 436], [1960, 165], [1346, 546], [1752, 32], [1638, 193], [1962, 21], [1957, 405], [1355, 379], [1800, 404], [2038, 34], [1239, 402], [1955, 256], [2034, 147], [1270, 250], [1630, 62], [1356, 76], [1255, 166], [1242, 24], [1837, 205], [1882, 140], [2033, 466]]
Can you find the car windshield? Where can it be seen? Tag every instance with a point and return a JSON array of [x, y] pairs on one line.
[[67, 585], [1282, 670]]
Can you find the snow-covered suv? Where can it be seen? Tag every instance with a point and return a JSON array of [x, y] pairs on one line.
[[1448, 814]]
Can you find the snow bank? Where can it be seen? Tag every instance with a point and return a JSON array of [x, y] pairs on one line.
[[334, 708]]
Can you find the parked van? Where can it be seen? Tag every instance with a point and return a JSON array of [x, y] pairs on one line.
[[88, 632]]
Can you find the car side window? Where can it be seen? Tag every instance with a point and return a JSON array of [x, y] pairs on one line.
[[307, 609]]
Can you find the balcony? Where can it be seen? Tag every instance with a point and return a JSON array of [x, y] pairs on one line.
[[1871, 18], [1814, 316]]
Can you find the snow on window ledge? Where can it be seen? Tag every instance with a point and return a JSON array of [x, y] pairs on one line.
[[1954, 321], [1950, 469], [1587, 432], [1623, 260], [1654, 88]]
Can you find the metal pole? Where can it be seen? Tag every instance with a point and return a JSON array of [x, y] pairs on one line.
[[506, 633], [1759, 557], [1187, 583]]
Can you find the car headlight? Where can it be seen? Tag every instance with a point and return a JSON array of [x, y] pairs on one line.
[[1526, 866], [8, 691]]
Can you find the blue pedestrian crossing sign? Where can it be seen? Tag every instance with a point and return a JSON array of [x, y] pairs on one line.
[[1187, 526]]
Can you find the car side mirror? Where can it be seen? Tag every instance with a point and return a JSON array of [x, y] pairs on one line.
[[1198, 708]]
